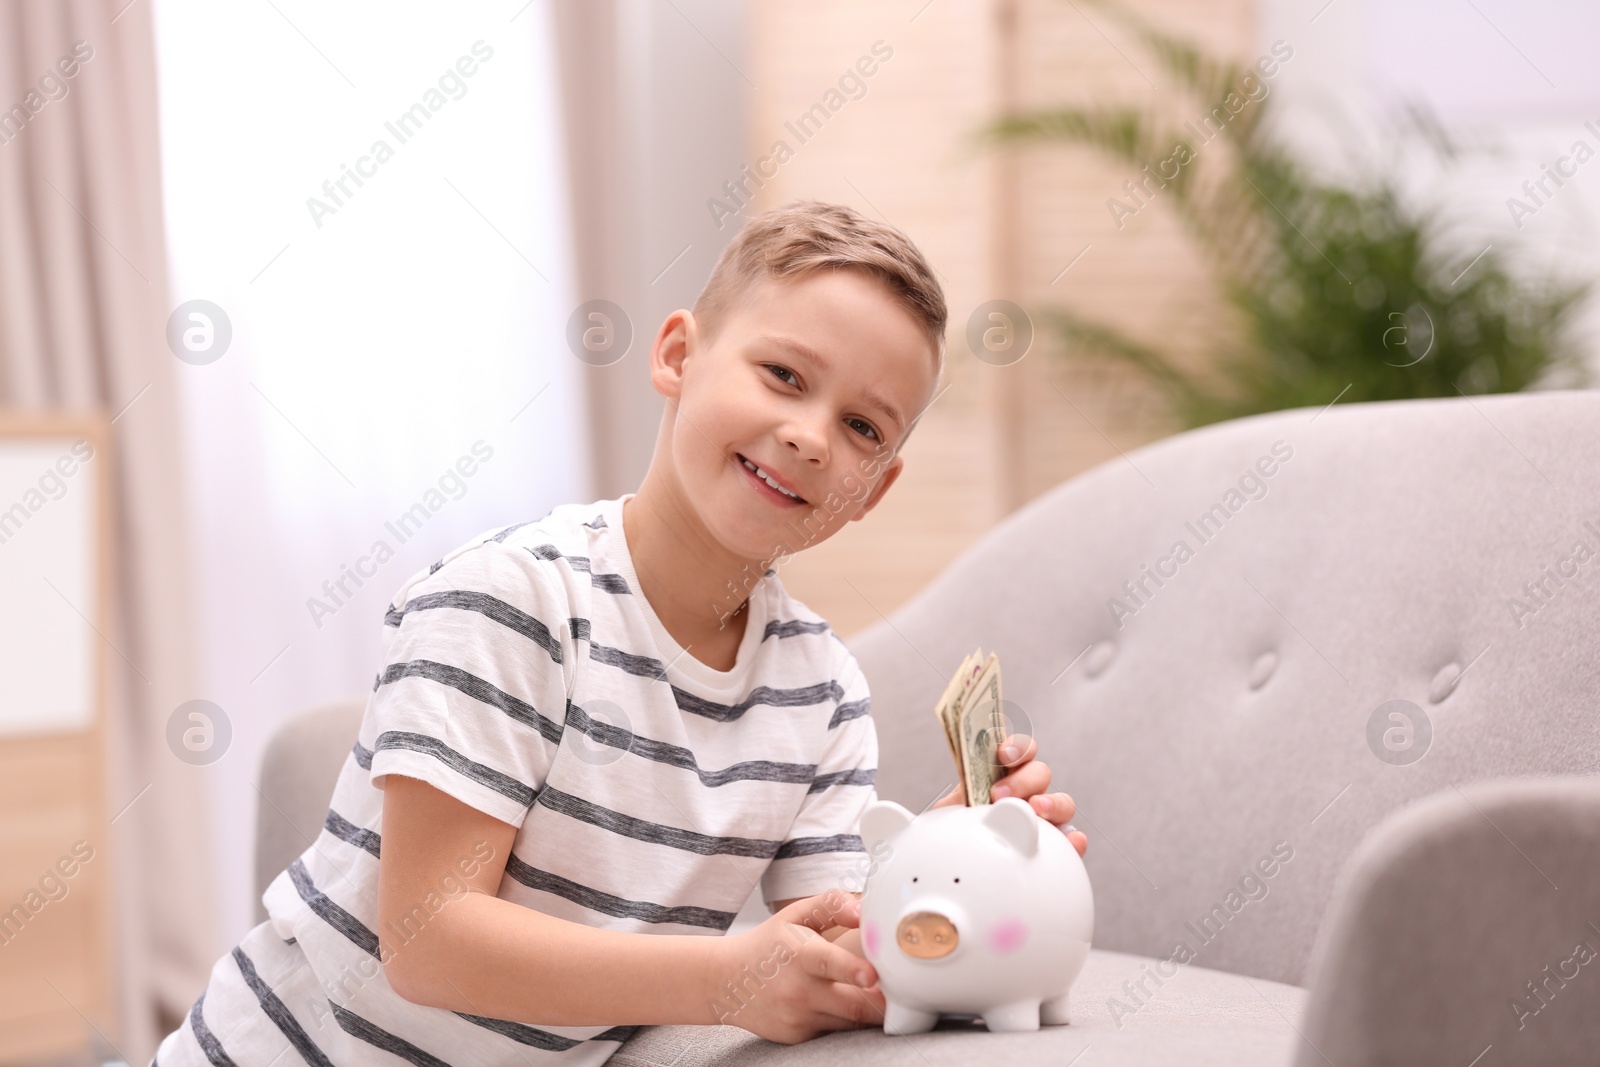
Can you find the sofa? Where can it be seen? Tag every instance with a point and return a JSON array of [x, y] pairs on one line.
[[1325, 685]]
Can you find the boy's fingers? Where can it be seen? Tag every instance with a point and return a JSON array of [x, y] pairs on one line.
[[1028, 780], [819, 912], [838, 964], [1025, 749], [846, 1006], [855, 1008], [1056, 807]]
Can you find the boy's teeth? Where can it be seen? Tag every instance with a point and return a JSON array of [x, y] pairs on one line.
[[764, 477]]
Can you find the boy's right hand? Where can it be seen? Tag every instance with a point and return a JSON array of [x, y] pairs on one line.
[[798, 984]]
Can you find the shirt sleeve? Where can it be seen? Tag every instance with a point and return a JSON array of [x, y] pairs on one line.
[[471, 696], [823, 849]]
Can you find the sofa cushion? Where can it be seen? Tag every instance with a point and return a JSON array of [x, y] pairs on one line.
[[1196, 1017]]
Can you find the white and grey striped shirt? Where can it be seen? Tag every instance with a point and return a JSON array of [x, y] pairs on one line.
[[526, 674]]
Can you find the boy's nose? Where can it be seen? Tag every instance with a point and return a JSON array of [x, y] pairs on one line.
[[927, 935], [808, 439]]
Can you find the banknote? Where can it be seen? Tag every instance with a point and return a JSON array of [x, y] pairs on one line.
[[970, 713], [949, 705], [982, 731], [939, 712]]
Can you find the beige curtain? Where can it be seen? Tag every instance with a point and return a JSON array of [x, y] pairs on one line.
[[654, 119], [601, 90], [83, 310]]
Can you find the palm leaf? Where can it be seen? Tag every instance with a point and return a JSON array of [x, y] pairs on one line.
[[1317, 273]]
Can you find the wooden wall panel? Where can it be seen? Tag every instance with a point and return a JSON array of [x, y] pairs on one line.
[[995, 225], [56, 864]]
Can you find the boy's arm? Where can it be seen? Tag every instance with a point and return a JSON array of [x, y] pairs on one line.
[[486, 956]]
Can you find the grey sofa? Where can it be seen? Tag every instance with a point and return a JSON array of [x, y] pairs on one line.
[[1337, 759]]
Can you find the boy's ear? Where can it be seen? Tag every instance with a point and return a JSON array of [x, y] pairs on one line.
[[678, 336], [890, 473]]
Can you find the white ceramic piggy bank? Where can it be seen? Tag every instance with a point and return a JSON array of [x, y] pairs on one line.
[[981, 910]]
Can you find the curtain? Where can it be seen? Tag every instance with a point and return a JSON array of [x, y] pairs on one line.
[[654, 107], [398, 377], [83, 310]]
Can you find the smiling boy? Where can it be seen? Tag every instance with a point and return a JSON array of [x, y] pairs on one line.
[[594, 735]]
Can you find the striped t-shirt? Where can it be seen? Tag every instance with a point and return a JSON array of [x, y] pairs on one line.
[[526, 675]]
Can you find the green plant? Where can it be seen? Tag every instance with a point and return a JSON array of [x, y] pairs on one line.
[[1338, 291]]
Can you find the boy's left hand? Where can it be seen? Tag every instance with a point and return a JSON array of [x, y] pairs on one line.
[[1026, 778]]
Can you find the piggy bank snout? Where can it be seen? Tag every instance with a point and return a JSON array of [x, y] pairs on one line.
[[927, 935]]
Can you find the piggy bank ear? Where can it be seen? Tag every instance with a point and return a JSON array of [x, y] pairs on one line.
[[1014, 820], [881, 821]]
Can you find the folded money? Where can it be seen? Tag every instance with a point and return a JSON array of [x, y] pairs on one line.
[[970, 712]]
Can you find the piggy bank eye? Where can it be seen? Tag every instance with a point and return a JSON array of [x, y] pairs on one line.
[[958, 879], [913, 878]]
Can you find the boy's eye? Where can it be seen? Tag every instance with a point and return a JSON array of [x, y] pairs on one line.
[[868, 425], [780, 370]]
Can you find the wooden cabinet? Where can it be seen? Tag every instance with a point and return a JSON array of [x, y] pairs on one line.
[[56, 879]]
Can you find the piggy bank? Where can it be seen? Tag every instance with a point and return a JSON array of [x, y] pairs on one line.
[[981, 910]]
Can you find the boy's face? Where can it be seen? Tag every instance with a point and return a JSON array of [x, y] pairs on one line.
[[828, 431]]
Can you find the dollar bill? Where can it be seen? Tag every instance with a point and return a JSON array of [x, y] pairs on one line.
[[960, 688], [945, 708], [969, 713], [982, 731]]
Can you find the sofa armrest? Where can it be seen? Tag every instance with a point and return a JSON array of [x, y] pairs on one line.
[[1466, 920]]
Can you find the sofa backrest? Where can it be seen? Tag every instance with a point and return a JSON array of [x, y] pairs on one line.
[[1242, 646], [299, 770]]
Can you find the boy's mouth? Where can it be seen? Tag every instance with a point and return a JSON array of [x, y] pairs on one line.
[[765, 482]]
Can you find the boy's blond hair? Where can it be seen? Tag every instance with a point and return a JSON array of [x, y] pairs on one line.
[[807, 235]]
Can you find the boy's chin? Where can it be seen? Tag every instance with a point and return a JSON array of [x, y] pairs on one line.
[[747, 532], [757, 541]]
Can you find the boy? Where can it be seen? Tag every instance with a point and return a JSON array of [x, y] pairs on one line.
[[614, 721]]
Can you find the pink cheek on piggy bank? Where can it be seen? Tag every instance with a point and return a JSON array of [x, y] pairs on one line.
[[1008, 935], [869, 937]]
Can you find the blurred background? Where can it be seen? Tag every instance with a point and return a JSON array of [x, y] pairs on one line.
[[294, 270]]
